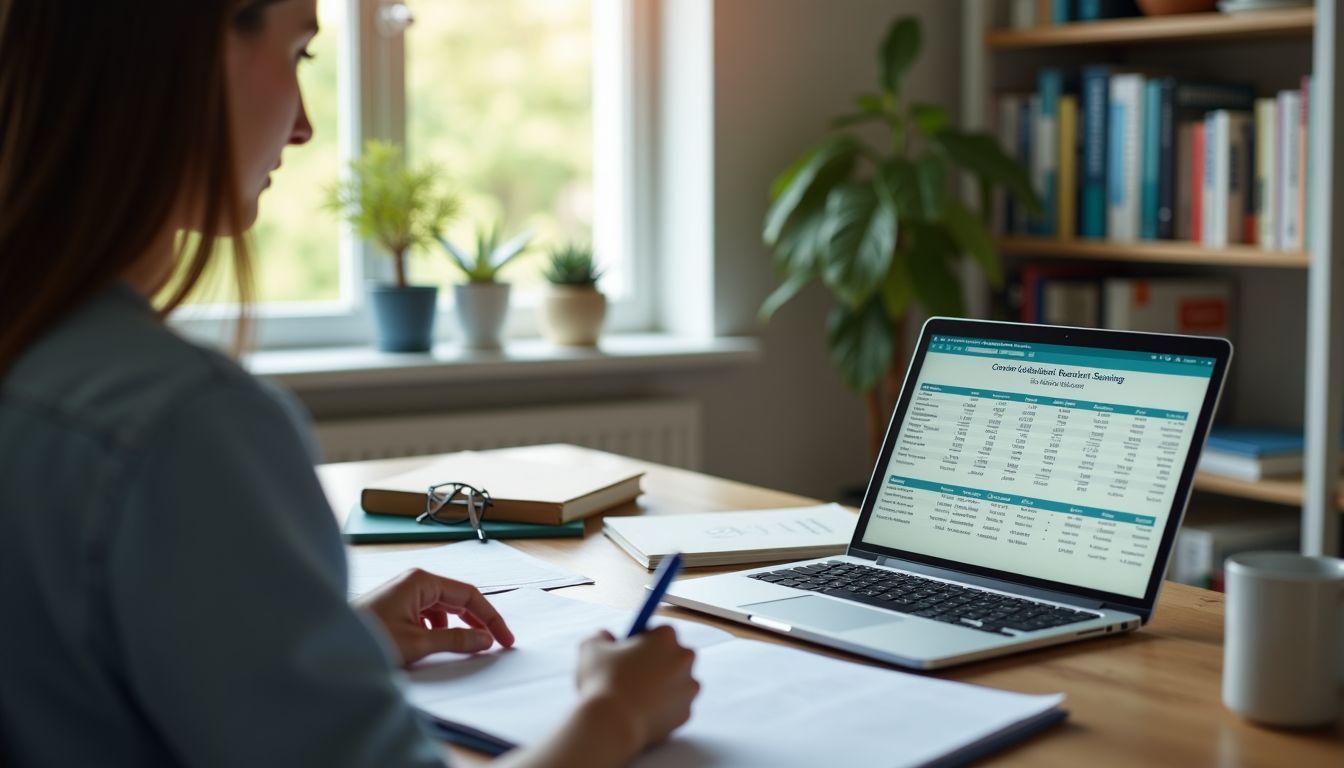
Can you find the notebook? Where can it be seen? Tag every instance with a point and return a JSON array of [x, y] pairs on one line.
[[523, 490], [1027, 493], [364, 528], [727, 538], [759, 703], [490, 566]]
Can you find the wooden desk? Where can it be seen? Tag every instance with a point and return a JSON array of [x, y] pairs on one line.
[[1148, 698]]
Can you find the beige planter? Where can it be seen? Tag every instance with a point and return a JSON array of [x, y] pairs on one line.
[[572, 315]]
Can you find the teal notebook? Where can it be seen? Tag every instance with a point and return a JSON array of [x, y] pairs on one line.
[[364, 528]]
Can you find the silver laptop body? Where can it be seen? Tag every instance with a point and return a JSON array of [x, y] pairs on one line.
[[1030, 475]]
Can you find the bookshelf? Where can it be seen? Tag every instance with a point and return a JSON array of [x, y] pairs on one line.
[[1310, 32], [1152, 252], [1161, 30]]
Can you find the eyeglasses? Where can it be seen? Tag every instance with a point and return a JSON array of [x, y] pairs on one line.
[[455, 504]]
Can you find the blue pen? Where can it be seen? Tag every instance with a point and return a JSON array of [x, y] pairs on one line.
[[662, 579]]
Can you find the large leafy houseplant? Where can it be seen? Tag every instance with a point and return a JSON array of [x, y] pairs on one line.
[[886, 230]]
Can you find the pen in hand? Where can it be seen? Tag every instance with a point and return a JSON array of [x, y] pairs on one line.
[[662, 579]]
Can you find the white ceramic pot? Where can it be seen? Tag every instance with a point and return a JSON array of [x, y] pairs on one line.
[[573, 315], [481, 310]]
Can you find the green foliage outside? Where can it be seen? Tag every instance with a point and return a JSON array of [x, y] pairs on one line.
[[404, 208], [499, 94], [884, 228], [572, 265]]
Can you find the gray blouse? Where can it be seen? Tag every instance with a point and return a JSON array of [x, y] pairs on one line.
[[172, 582]]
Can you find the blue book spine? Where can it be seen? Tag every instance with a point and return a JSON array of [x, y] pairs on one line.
[[1045, 160], [1152, 127], [1096, 114], [1059, 11]]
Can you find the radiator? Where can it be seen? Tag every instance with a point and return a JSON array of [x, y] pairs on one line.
[[666, 431]]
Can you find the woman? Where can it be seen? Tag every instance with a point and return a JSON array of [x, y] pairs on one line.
[[171, 580]]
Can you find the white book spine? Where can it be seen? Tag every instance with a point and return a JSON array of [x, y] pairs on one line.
[[1214, 229], [1290, 104], [1266, 173], [1124, 169]]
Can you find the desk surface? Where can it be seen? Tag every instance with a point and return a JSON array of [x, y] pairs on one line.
[[1151, 697]]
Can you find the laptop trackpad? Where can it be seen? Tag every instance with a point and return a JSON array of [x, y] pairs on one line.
[[819, 613]]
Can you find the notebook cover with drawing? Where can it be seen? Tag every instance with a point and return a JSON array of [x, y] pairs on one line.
[[364, 528], [523, 491]]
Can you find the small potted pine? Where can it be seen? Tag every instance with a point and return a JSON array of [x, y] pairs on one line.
[[403, 210], [574, 309], [482, 302]]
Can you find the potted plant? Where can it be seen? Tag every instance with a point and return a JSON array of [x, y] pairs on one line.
[[482, 302], [885, 230], [574, 309], [403, 210]]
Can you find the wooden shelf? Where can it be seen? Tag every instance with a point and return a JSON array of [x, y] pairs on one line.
[[1275, 490], [1152, 251], [1193, 27]]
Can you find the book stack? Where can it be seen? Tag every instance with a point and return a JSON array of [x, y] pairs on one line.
[[1085, 296], [1130, 156], [1252, 453]]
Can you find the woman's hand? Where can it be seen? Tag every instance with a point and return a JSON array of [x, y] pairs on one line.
[[414, 609], [644, 681]]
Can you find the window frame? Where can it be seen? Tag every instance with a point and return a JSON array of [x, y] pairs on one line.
[[372, 105]]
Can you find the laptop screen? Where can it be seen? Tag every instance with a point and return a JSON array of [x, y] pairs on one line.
[[1051, 461]]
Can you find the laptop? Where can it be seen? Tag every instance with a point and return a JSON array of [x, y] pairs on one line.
[[1027, 493]]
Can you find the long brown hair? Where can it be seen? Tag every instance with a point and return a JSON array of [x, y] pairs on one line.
[[113, 120]]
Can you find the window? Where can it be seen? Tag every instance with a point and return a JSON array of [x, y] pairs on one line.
[[509, 98]]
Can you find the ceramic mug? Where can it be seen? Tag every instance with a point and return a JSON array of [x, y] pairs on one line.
[[1283, 652]]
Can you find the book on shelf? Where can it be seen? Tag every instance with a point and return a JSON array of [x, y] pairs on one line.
[[1207, 537], [1252, 453], [1200, 306], [523, 486], [1156, 157], [731, 538]]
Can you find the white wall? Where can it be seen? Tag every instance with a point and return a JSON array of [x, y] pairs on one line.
[[781, 70]]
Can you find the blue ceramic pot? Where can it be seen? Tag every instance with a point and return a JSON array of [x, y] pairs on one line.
[[404, 317]]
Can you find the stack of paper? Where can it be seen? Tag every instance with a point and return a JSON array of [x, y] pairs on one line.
[[760, 704], [727, 538], [492, 566]]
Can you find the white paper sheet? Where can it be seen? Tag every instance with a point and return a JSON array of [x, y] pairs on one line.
[[761, 704], [491, 567]]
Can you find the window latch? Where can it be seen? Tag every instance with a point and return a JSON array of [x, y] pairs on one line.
[[394, 18]]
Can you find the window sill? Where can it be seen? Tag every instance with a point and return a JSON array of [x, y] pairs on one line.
[[346, 367]]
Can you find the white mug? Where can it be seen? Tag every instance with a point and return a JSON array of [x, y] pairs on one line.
[[1283, 652]]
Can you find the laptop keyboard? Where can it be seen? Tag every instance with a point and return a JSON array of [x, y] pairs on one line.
[[932, 599]]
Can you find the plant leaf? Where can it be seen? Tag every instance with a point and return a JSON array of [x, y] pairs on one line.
[[860, 235], [503, 254], [932, 175], [897, 292], [823, 167], [800, 249], [930, 271], [463, 262], [930, 118], [860, 339], [871, 103], [898, 52], [854, 118], [902, 183], [781, 295], [969, 233], [980, 154]]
